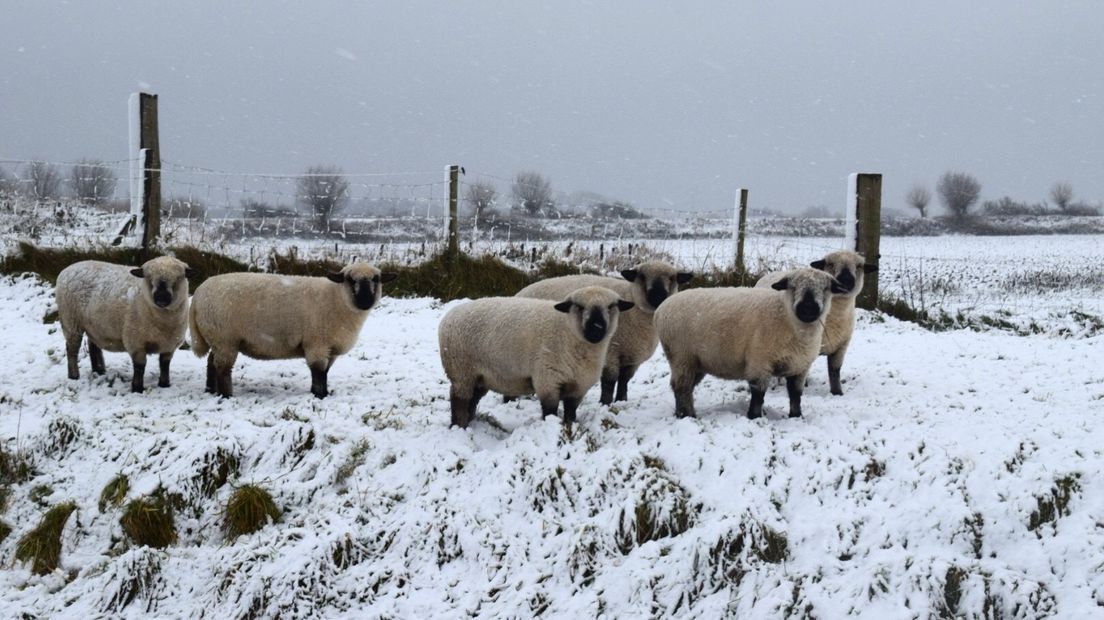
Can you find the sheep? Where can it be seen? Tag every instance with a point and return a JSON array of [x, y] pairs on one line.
[[140, 310], [848, 269], [270, 316], [634, 342], [746, 333], [517, 346]]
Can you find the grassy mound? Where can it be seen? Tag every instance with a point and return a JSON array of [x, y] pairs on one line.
[[149, 522], [249, 509], [42, 545], [114, 492]]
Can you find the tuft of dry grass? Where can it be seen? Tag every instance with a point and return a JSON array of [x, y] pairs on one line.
[[249, 508], [114, 492], [42, 545], [5, 531], [149, 521], [15, 467]]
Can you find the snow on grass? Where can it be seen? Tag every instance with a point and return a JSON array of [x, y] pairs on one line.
[[961, 472]]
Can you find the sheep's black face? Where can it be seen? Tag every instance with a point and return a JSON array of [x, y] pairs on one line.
[[364, 292], [657, 293], [162, 294], [594, 325], [846, 279], [808, 309]]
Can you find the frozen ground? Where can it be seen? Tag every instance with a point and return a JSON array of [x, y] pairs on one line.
[[922, 491]]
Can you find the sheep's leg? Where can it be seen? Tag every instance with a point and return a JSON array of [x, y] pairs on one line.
[[623, 377], [758, 393], [794, 386], [835, 364], [570, 404], [224, 364], [319, 373], [477, 393], [95, 353], [460, 404], [138, 359], [550, 403], [608, 381], [164, 359], [212, 375], [682, 384], [72, 350]]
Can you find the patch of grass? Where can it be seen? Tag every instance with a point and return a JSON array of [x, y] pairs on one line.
[[1056, 503], [215, 470], [554, 268], [60, 436], [206, 264], [39, 493], [249, 508], [662, 509], [467, 277], [356, 458], [5, 531], [42, 545], [728, 278], [15, 466], [952, 592], [149, 521], [114, 492], [137, 576], [5, 496], [49, 262], [290, 264]]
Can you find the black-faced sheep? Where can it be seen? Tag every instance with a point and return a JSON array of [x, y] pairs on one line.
[[516, 346], [270, 316], [745, 333], [647, 286], [139, 310], [848, 269]]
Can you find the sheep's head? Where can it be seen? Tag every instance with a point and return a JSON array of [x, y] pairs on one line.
[[363, 282], [164, 281], [653, 282], [593, 312], [809, 293], [847, 268]]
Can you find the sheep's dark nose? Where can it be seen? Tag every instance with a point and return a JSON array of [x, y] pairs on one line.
[[594, 329], [657, 294], [846, 280], [162, 296], [808, 310]]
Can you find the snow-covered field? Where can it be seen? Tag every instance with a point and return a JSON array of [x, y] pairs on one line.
[[924, 490]]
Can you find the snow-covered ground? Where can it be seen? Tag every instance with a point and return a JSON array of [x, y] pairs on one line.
[[910, 496]]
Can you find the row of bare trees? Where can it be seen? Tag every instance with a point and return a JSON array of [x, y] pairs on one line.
[[959, 191], [89, 180]]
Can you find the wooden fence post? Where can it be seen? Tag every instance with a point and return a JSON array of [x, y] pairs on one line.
[[867, 196], [453, 223], [740, 230], [149, 140]]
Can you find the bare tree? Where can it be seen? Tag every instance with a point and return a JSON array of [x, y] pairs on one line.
[[325, 191], [958, 191], [8, 183], [1062, 195], [532, 193], [918, 198], [45, 179], [482, 195], [92, 181]]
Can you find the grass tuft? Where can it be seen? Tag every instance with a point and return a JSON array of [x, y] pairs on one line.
[[15, 466], [467, 277], [114, 492], [249, 508], [5, 531], [60, 436], [149, 521], [42, 545], [1056, 503], [216, 469], [662, 509]]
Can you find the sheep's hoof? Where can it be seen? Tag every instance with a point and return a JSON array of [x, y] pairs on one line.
[[163, 383], [754, 415], [320, 393], [137, 389], [796, 415], [837, 392], [74, 375]]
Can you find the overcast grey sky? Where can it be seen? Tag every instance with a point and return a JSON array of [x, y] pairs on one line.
[[662, 104]]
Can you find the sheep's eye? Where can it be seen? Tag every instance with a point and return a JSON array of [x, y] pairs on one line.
[[376, 278]]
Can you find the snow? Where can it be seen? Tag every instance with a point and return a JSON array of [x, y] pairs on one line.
[[929, 467]]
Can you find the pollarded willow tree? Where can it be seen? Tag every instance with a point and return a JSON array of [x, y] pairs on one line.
[[323, 190]]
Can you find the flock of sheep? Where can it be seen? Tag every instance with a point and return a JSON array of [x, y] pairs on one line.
[[555, 338]]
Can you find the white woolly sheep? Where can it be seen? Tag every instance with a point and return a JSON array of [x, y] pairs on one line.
[[745, 333], [140, 310], [517, 346], [848, 269], [270, 316], [634, 342]]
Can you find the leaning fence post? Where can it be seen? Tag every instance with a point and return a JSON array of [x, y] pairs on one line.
[[739, 229], [863, 228], [453, 229]]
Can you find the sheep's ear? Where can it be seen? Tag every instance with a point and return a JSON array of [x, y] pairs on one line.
[[563, 306], [623, 305], [781, 285], [189, 272], [629, 274], [388, 277], [870, 269], [684, 277], [837, 288], [818, 264], [336, 276], [138, 273]]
